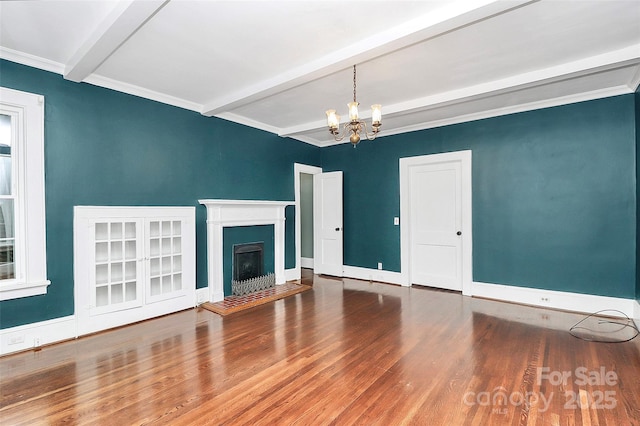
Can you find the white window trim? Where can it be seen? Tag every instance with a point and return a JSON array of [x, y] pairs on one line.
[[30, 231]]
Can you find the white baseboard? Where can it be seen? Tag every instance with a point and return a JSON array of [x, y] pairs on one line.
[[202, 295], [368, 274], [306, 262], [577, 302], [291, 274], [37, 334], [637, 313]]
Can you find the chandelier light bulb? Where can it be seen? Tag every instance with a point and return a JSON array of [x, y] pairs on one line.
[[333, 120], [353, 110], [376, 114]]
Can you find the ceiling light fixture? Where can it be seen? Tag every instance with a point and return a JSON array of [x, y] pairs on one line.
[[355, 126]]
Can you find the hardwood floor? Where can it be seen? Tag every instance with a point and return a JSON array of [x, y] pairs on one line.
[[346, 352]]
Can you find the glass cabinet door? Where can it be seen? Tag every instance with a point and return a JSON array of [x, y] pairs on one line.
[[165, 258], [116, 274]]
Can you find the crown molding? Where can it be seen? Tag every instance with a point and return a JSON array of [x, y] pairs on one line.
[[131, 89], [31, 60]]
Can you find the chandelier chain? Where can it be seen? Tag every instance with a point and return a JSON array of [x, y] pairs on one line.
[[354, 83]]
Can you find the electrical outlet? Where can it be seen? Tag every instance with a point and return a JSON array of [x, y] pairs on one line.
[[379, 265], [16, 340], [545, 300], [396, 221]]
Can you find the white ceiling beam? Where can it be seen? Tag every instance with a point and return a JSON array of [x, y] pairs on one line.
[[629, 56], [126, 18], [453, 15]]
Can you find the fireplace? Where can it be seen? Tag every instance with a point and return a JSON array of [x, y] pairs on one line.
[[223, 214]]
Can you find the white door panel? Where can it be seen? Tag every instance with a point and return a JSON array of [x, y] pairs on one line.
[[327, 223]]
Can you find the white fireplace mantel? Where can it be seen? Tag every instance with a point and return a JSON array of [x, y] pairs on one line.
[[228, 213]]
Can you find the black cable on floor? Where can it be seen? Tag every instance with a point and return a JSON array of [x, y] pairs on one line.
[[623, 324]]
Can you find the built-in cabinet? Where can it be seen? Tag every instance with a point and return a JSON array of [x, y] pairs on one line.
[[132, 263]]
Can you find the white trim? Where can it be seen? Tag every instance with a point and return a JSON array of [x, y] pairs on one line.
[[27, 109], [369, 274], [201, 295], [240, 119], [107, 83], [16, 290], [576, 302], [637, 313], [228, 213], [290, 275], [499, 112], [31, 60], [37, 334], [297, 169], [132, 89], [306, 262], [464, 157], [635, 81]]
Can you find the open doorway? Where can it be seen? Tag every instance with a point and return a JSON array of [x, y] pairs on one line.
[[306, 220], [303, 183]]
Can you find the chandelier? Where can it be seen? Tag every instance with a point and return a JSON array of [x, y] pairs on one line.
[[355, 127]]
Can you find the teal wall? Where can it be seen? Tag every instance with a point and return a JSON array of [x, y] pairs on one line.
[[554, 190], [245, 235], [554, 196], [103, 147], [637, 104]]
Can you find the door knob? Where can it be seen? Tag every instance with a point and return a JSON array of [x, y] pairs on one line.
[[459, 233], [337, 229]]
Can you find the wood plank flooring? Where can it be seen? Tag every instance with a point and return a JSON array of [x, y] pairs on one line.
[[346, 352]]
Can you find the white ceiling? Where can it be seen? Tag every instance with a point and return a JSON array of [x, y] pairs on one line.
[[278, 65]]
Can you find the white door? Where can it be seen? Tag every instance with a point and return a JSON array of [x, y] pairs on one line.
[[436, 225], [327, 223]]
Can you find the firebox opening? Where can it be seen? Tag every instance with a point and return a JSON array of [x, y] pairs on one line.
[[248, 261]]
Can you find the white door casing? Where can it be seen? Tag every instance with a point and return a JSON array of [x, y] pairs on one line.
[[435, 204], [327, 224]]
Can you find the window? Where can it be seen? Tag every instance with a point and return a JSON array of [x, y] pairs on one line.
[[7, 201], [22, 215]]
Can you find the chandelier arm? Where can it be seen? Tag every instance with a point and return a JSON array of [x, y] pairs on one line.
[[339, 136], [370, 136]]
